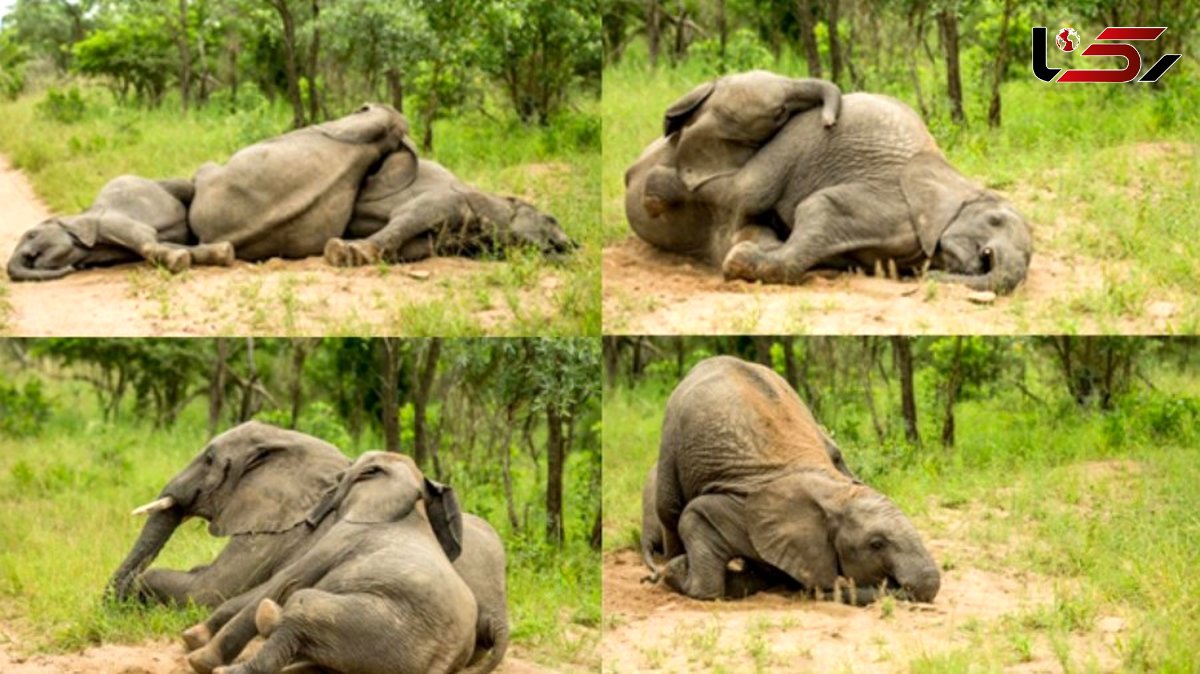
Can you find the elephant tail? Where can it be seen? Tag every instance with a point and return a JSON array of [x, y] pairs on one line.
[[499, 635]]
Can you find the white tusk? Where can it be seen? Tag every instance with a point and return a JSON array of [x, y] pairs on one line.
[[164, 503]]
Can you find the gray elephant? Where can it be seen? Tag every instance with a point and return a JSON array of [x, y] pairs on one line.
[[131, 219], [254, 483], [875, 191], [376, 595], [287, 196], [709, 134], [414, 208], [744, 472]]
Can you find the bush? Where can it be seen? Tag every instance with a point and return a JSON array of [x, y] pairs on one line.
[[743, 51], [318, 419], [22, 411], [66, 107]]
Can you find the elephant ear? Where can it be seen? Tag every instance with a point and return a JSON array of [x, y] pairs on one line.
[[790, 530], [277, 489], [935, 194], [84, 229], [682, 110], [441, 506]]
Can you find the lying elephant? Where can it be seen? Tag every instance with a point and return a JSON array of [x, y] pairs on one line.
[[288, 196], [411, 209], [873, 191], [131, 219], [709, 134], [377, 594], [744, 472]]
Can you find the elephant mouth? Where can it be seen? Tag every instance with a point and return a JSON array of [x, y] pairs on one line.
[[987, 260]]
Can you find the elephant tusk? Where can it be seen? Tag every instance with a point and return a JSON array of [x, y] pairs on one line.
[[164, 503]]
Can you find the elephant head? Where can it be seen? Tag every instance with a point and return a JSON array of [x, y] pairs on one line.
[[51, 249], [973, 234], [386, 487], [372, 124], [254, 478], [531, 227], [817, 526], [723, 122]]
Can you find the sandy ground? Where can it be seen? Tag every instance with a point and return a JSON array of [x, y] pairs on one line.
[[294, 297], [650, 628]]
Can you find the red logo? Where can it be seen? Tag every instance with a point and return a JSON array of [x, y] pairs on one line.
[[1067, 40]]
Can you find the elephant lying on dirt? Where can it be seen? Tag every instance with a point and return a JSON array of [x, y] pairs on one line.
[[411, 209], [289, 195], [708, 134], [131, 219], [377, 594], [254, 483], [874, 191], [744, 472]]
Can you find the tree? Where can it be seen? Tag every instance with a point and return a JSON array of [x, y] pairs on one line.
[[1001, 64], [948, 26], [902, 349], [808, 38]]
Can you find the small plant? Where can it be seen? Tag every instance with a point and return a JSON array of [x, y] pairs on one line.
[[23, 410], [63, 106]]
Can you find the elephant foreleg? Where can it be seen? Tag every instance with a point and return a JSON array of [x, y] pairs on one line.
[[713, 529], [243, 564], [180, 188]]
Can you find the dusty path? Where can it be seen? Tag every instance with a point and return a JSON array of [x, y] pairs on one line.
[[295, 297]]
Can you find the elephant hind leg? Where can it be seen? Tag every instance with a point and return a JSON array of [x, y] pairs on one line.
[[713, 530]]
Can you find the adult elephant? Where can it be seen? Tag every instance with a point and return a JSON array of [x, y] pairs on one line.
[[132, 218], [413, 208], [254, 483], [288, 196], [709, 134], [376, 595], [873, 191], [744, 472]]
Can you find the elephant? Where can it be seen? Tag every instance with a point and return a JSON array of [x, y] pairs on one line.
[[376, 595], [287, 196], [254, 483], [132, 218], [709, 134], [413, 208], [744, 472], [874, 191]]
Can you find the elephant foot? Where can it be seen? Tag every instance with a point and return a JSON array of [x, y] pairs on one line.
[[266, 618], [176, 261], [675, 574], [221, 254], [205, 661], [196, 636], [231, 669], [744, 261], [341, 253]]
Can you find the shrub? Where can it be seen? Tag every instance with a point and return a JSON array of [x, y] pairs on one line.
[[22, 411], [66, 107], [743, 51]]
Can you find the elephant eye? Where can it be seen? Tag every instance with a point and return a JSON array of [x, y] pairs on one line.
[[208, 458], [877, 543], [370, 472], [995, 220]]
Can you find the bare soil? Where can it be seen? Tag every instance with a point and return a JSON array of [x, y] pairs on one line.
[[650, 628], [293, 297]]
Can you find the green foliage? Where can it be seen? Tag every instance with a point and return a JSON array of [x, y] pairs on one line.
[[135, 53], [743, 52], [13, 57], [23, 410], [63, 106]]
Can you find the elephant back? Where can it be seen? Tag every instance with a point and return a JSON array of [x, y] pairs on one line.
[[734, 426]]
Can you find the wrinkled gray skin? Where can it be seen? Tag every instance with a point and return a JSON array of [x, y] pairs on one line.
[[710, 134], [287, 196], [376, 595], [873, 191], [744, 471], [131, 219], [254, 483], [413, 208]]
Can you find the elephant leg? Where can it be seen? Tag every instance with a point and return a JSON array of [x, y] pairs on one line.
[[420, 216], [120, 230], [762, 237], [713, 529], [181, 189], [241, 565], [416, 249], [200, 634], [213, 254], [669, 502], [836, 221]]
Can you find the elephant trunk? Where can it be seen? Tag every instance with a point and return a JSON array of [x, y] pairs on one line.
[[921, 581], [1009, 266], [154, 536], [19, 271]]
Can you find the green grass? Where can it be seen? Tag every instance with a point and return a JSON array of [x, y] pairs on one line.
[[1107, 541], [556, 167], [67, 492], [1105, 175]]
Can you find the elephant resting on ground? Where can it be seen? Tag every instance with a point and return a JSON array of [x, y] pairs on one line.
[[411, 209], [377, 594], [709, 134], [131, 219], [744, 472], [873, 191], [255, 483], [287, 196]]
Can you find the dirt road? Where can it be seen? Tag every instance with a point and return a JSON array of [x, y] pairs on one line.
[[292, 297]]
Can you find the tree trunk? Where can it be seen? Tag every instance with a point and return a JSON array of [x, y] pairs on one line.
[[1001, 65], [762, 351], [185, 57], [868, 361], [506, 467], [216, 387], [654, 30], [635, 363], [681, 32], [948, 23], [299, 356], [431, 107], [902, 347], [421, 401], [722, 31], [554, 476], [389, 402], [611, 345], [597, 538], [395, 84], [250, 386], [789, 362], [808, 37], [291, 68], [835, 41], [952, 386], [314, 55]]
